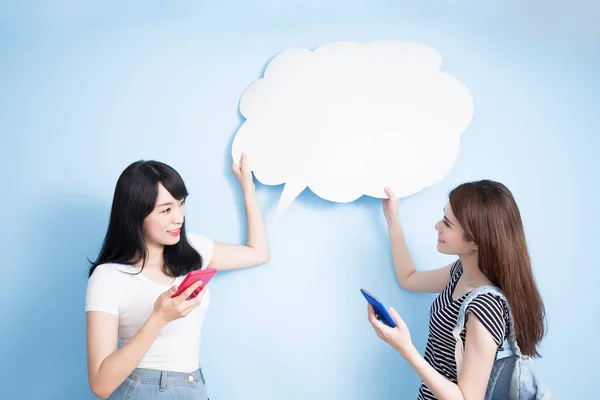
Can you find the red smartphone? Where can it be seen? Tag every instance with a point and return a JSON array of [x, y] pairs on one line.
[[192, 277]]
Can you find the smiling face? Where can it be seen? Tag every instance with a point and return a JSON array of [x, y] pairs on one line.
[[162, 227], [451, 236]]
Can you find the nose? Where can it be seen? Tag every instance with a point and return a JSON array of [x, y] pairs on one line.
[[178, 217], [438, 226]]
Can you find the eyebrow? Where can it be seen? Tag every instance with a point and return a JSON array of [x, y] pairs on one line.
[[169, 203], [446, 218]]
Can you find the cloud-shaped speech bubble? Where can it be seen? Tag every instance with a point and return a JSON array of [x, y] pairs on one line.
[[348, 119]]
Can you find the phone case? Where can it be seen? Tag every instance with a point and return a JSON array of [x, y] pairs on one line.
[[192, 277], [380, 311]]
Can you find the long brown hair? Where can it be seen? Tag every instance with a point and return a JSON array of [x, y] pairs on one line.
[[490, 217]]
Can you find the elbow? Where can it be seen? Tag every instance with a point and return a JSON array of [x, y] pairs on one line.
[[266, 257], [404, 282], [258, 256], [100, 394], [100, 391], [263, 254]]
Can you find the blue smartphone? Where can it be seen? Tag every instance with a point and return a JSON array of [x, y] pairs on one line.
[[380, 311]]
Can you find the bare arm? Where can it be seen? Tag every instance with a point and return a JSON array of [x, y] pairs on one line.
[[256, 249], [108, 367], [479, 356], [408, 277]]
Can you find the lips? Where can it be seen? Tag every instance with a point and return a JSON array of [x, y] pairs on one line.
[[174, 232], [441, 241]]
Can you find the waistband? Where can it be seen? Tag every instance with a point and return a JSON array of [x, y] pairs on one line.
[[167, 378]]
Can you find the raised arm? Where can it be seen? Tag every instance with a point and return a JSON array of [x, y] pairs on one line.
[[256, 249], [408, 277]]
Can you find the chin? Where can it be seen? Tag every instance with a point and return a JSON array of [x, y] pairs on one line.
[[172, 241], [441, 250]]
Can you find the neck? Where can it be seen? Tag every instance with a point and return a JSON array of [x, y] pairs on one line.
[[155, 258], [470, 263]]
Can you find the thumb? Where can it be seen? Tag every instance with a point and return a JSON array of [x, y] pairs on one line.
[[397, 318], [173, 289]]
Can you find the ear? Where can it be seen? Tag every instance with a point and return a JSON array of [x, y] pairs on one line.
[[475, 247]]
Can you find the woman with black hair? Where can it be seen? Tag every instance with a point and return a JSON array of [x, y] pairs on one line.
[[144, 257]]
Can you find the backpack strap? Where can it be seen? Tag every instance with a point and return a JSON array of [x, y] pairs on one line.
[[460, 323]]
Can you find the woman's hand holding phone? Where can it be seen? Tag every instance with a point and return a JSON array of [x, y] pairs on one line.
[[167, 308]]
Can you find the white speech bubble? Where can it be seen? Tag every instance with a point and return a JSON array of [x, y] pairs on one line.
[[348, 119]]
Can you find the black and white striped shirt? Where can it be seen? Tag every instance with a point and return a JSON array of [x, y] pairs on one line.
[[439, 353]]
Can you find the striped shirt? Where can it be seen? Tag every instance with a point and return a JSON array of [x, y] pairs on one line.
[[439, 353]]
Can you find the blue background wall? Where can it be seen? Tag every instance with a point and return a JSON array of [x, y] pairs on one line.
[[87, 89]]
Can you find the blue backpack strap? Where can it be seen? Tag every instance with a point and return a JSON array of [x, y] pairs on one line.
[[460, 323]]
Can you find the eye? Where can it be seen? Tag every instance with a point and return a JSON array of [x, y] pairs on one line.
[[182, 202], [447, 224], [166, 211]]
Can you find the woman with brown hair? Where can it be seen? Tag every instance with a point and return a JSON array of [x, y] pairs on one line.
[[482, 226]]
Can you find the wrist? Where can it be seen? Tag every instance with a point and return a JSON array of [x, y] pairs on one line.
[[249, 190], [393, 220], [155, 321], [409, 353]]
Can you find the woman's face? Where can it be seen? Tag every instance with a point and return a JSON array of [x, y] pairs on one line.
[[451, 235], [162, 226]]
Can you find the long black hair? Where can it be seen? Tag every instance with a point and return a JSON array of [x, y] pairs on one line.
[[134, 199]]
